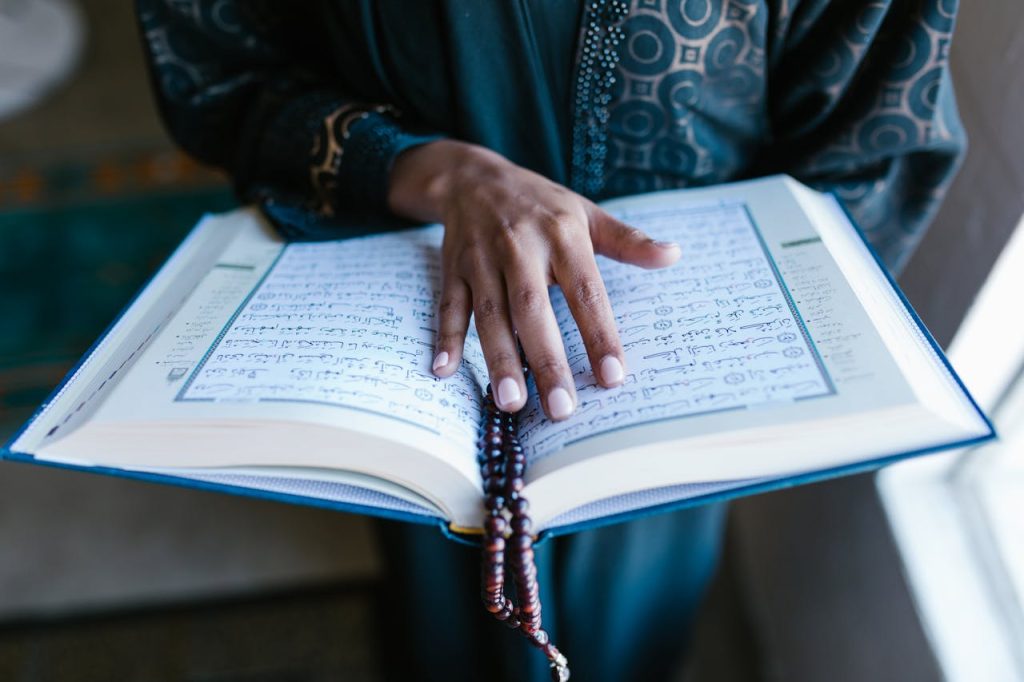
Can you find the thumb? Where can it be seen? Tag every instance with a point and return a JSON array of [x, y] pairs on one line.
[[615, 239]]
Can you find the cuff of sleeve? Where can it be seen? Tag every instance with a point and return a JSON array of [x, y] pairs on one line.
[[287, 137], [368, 153]]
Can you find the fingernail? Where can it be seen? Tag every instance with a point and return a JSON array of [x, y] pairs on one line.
[[560, 404], [508, 392], [666, 245], [440, 360], [611, 370]]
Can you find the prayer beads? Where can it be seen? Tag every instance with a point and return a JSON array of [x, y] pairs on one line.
[[508, 544]]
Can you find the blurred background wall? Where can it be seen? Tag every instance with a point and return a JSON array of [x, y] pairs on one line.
[[93, 197], [987, 200], [820, 575]]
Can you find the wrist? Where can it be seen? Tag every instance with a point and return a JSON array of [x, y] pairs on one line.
[[425, 177]]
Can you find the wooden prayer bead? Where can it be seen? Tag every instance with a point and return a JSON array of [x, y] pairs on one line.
[[521, 541], [495, 525], [507, 539]]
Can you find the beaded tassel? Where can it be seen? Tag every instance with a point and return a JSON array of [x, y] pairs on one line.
[[502, 460], [507, 527]]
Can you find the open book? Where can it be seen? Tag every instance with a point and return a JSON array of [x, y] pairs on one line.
[[776, 351]]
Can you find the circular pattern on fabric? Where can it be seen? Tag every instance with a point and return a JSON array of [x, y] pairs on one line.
[[679, 92], [176, 81], [724, 50], [224, 16], [694, 19], [675, 156], [637, 121], [887, 132], [650, 47], [836, 65], [940, 14], [853, 189], [925, 94], [912, 53], [866, 22]]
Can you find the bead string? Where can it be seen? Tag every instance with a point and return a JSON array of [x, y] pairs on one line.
[[507, 526]]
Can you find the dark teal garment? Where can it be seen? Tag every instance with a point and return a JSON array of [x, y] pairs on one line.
[[618, 601], [852, 97], [307, 106]]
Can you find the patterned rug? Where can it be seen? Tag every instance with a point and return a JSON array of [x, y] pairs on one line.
[[76, 242]]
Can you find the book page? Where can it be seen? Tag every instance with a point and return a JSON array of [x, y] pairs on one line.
[[348, 324], [716, 332]]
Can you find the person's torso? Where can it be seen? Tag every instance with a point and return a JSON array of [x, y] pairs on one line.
[[685, 104]]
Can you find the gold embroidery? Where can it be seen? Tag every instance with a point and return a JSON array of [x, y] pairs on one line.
[[329, 146]]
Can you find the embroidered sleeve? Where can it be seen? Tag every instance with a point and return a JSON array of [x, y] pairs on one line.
[[352, 155], [237, 89], [863, 105]]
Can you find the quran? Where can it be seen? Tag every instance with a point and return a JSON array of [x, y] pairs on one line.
[[776, 351]]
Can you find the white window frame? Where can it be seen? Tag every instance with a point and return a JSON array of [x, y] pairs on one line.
[[976, 628]]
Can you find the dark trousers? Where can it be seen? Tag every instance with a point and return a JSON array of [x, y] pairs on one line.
[[618, 601]]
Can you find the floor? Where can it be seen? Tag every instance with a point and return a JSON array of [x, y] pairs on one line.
[[314, 635], [311, 634]]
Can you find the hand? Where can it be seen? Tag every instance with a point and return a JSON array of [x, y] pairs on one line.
[[509, 233]]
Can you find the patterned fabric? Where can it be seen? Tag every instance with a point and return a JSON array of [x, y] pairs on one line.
[[690, 106], [851, 97], [238, 89]]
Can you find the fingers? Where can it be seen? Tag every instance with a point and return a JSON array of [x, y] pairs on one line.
[[541, 338], [493, 325], [501, 251], [453, 320], [584, 291], [615, 239]]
